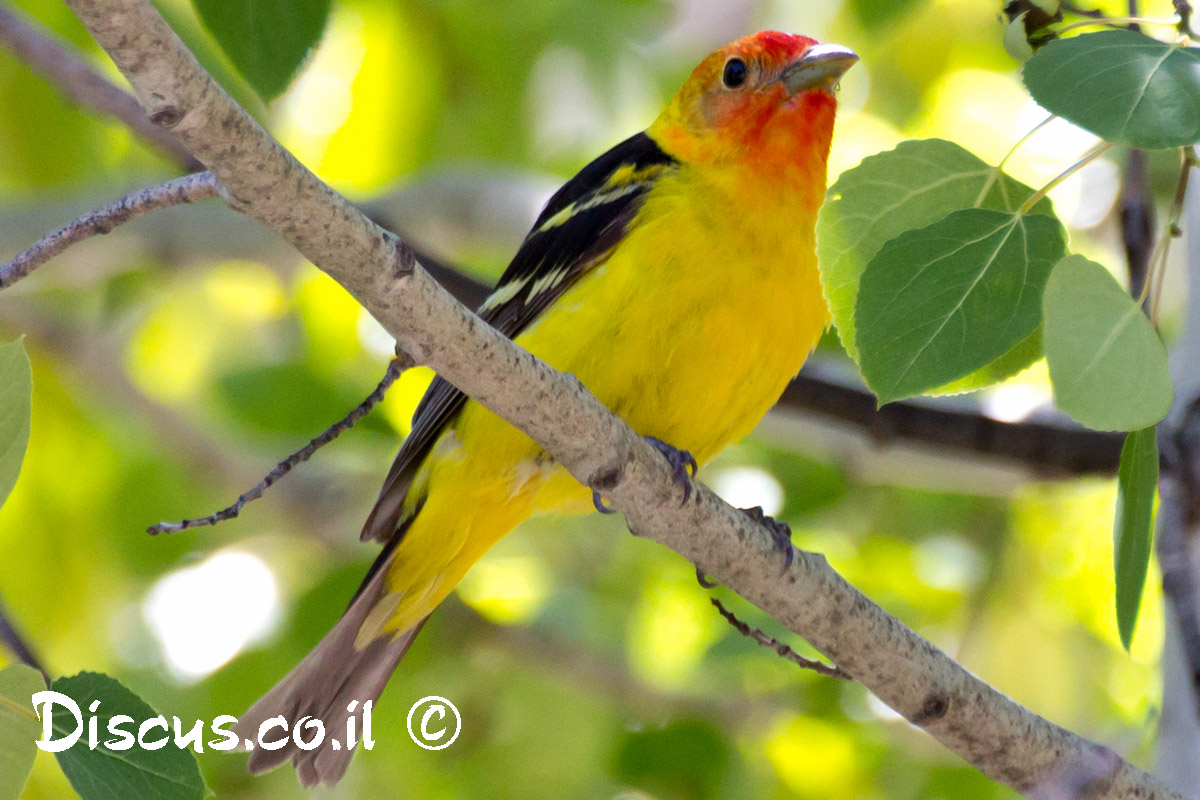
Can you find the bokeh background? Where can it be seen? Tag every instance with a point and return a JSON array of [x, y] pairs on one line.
[[178, 358]]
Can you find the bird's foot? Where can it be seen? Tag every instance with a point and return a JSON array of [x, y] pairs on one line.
[[682, 463], [781, 534], [683, 467]]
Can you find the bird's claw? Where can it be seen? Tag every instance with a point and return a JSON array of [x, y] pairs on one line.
[[781, 534], [704, 580], [598, 502], [683, 465]]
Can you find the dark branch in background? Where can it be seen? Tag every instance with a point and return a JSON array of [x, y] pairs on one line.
[[86, 87], [771, 643], [1056, 449], [16, 643], [394, 370], [1137, 220], [188, 189], [1179, 512]]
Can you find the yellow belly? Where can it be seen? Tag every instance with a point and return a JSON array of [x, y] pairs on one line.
[[688, 336]]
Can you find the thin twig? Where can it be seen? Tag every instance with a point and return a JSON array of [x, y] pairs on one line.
[[999, 170], [1116, 22], [394, 370], [84, 86], [188, 189], [1091, 155], [771, 643], [1171, 231]]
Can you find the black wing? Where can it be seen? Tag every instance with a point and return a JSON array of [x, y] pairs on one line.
[[575, 232]]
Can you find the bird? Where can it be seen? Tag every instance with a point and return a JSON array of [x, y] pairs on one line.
[[676, 277]]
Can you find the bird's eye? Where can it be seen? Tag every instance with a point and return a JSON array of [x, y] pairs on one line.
[[735, 73]]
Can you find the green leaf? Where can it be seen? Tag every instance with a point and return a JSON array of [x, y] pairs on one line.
[[941, 302], [267, 40], [1107, 364], [1122, 86], [1022, 354], [16, 392], [910, 187], [19, 727], [1137, 480], [873, 15], [169, 773]]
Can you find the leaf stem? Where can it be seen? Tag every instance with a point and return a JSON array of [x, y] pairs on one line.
[[1091, 155], [991, 181], [1115, 21], [1158, 264]]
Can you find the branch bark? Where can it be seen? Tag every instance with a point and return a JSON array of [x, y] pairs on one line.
[[84, 86], [1001, 738]]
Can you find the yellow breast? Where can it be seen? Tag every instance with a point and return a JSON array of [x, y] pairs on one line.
[[699, 319]]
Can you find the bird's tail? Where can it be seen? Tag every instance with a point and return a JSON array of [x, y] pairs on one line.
[[324, 684]]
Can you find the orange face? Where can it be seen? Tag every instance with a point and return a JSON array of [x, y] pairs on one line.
[[763, 95]]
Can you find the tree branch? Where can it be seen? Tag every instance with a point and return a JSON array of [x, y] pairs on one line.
[[84, 86], [188, 189], [1003, 739]]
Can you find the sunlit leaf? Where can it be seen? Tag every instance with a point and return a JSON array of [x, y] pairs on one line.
[[1107, 364], [1137, 480], [910, 187], [875, 14], [938, 303], [16, 388], [19, 727], [267, 40], [168, 773], [1121, 85]]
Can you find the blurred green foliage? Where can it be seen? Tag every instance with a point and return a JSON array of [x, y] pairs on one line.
[[585, 663]]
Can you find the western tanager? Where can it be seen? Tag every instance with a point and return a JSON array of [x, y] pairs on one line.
[[675, 276]]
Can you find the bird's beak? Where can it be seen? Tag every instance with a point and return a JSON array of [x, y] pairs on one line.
[[819, 68]]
